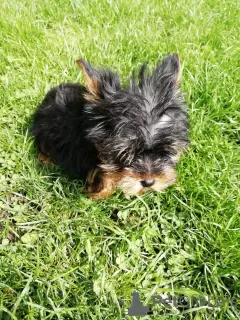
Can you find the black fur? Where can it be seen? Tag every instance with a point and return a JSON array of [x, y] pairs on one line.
[[142, 127], [59, 127]]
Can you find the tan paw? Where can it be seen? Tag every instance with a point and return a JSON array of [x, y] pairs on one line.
[[44, 159]]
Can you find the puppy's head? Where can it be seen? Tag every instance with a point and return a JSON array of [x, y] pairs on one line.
[[141, 130]]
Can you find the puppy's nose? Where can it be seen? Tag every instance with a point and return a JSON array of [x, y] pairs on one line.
[[147, 183]]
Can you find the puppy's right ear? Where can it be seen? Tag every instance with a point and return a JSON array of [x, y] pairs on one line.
[[91, 78], [101, 84], [171, 68]]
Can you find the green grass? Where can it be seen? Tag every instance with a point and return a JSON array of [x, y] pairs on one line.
[[64, 256]]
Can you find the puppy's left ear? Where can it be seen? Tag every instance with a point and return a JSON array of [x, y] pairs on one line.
[[101, 84]]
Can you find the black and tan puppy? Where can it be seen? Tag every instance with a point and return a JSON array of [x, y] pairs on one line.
[[112, 136]]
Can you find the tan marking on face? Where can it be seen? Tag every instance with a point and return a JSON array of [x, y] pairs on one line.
[[130, 183], [163, 182]]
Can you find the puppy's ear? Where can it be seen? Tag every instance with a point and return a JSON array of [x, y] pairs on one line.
[[91, 78], [101, 84], [170, 68], [162, 85]]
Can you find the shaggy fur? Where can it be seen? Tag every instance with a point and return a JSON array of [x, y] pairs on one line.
[[111, 136]]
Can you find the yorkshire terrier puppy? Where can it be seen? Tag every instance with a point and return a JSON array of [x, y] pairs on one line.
[[112, 136]]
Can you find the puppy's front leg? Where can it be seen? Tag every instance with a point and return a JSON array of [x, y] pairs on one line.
[[99, 185]]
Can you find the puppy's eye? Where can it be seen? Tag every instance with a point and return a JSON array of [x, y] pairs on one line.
[[139, 160]]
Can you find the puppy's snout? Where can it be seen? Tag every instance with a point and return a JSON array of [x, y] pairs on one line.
[[147, 183]]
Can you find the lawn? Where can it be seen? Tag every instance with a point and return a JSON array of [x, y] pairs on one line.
[[64, 256]]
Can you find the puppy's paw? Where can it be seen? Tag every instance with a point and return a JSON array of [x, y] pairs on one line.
[[44, 159], [99, 186], [94, 181]]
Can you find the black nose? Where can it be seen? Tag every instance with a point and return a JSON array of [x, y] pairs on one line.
[[147, 183]]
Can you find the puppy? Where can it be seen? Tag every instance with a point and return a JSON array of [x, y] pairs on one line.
[[113, 136]]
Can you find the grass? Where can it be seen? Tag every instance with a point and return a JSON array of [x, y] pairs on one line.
[[64, 256]]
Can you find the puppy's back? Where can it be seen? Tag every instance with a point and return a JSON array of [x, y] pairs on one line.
[[59, 129]]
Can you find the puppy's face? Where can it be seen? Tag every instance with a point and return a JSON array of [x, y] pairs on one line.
[[147, 171], [132, 183], [139, 131]]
